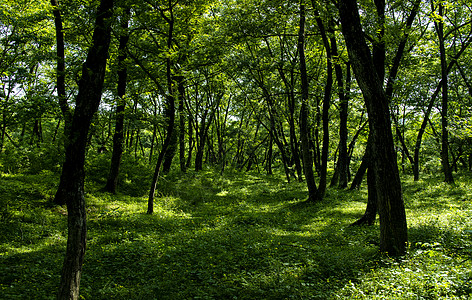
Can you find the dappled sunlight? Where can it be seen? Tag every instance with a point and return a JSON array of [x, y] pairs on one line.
[[214, 236]]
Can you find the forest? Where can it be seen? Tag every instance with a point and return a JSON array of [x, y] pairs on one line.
[[235, 149]]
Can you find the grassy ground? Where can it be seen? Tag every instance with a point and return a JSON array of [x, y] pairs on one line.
[[234, 236]]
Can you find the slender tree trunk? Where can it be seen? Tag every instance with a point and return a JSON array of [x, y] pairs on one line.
[[170, 153], [313, 194], [356, 182], [170, 114], [181, 87], [61, 69], [269, 156], [444, 106], [393, 226], [342, 165], [118, 137], [190, 143], [72, 177], [326, 106], [371, 210], [60, 197]]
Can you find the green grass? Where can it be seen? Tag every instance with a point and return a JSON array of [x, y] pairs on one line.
[[234, 236]]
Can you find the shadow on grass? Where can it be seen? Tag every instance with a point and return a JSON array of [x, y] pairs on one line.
[[214, 236], [226, 238]]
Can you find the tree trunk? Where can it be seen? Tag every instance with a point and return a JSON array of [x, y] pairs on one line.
[[342, 165], [326, 106], [181, 87], [60, 69], [357, 181], [439, 25], [371, 210], [72, 177], [118, 137], [190, 143], [170, 153], [304, 127], [170, 115], [393, 227], [60, 197]]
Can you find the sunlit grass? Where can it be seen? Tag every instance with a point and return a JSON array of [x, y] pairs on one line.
[[235, 236]]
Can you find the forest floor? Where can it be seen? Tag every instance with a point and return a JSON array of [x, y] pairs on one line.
[[234, 236]]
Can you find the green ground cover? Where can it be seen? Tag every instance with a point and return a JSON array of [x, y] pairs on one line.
[[234, 236]]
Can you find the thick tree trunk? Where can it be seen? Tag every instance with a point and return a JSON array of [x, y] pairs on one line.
[[72, 177], [118, 137], [393, 227]]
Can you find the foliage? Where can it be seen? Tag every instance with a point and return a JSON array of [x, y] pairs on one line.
[[234, 235]]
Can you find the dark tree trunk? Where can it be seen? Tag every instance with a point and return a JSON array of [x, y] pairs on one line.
[[304, 127], [357, 181], [326, 106], [61, 69], [170, 153], [444, 106], [118, 137], [199, 154], [342, 165], [371, 210], [72, 177], [393, 227], [378, 57], [60, 197]]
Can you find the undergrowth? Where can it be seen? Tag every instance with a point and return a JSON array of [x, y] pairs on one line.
[[233, 236]]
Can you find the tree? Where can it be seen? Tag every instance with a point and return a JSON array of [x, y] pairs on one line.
[[169, 105], [439, 26], [313, 193], [393, 227], [118, 137], [72, 177]]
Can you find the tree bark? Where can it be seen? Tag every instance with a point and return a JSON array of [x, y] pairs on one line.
[[118, 137], [393, 226], [87, 102]]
